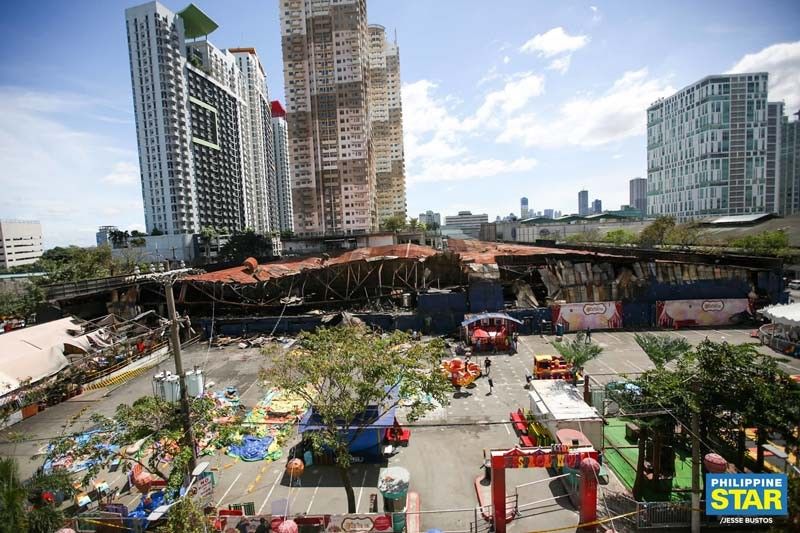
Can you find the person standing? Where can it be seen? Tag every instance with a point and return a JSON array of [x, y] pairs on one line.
[[491, 385], [262, 526], [588, 335], [487, 365], [528, 378]]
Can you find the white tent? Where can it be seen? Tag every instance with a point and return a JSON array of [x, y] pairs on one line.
[[36, 352], [787, 314]]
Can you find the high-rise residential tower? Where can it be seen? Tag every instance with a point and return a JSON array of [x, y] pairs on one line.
[[709, 150], [597, 207], [283, 175], [583, 202], [789, 188], [386, 116], [638, 195], [202, 123], [20, 242], [326, 71], [430, 219], [523, 207]]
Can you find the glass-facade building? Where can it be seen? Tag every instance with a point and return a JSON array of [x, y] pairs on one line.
[[712, 149]]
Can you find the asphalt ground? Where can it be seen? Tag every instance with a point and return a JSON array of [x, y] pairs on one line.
[[443, 458]]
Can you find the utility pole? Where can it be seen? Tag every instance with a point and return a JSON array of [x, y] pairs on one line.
[[695, 472], [175, 341]]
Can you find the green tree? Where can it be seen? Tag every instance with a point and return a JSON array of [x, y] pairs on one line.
[[661, 349], [768, 243], [208, 234], [343, 371], [185, 517], [394, 223], [246, 244], [683, 235], [655, 234], [119, 238], [158, 425], [577, 352], [619, 237], [156, 232], [413, 224], [13, 496]]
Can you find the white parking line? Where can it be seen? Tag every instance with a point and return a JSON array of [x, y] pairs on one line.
[[219, 503], [308, 509], [507, 430], [274, 484], [361, 490], [612, 336]]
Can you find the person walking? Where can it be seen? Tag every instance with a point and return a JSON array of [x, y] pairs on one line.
[[588, 335], [528, 378], [491, 385], [262, 526], [487, 365]]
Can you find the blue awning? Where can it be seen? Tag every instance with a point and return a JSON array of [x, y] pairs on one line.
[[469, 319], [373, 418]]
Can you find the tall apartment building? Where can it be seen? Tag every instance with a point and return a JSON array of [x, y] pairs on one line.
[[789, 183], [523, 207], [20, 242], [283, 174], [597, 207], [386, 117], [467, 222], [326, 73], [202, 122], [583, 202], [638, 194], [429, 218], [710, 150]]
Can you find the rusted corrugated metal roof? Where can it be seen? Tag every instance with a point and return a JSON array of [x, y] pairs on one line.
[[482, 252], [291, 266]]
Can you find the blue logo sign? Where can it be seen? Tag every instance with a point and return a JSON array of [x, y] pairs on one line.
[[746, 494]]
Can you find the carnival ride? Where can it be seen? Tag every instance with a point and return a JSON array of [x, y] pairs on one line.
[[551, 367], [461, 373]]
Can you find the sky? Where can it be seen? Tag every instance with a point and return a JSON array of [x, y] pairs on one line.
[[500, 99]]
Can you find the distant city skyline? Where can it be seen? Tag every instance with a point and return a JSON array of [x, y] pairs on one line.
[[545, 102]]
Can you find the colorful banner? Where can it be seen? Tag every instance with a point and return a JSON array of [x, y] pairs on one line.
[[589, 315], [712, 312]]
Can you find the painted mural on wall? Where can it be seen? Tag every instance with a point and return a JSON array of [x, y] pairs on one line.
[[710, 312], [589, 315]]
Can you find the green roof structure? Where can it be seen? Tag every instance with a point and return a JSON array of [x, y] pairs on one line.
[[196, 23]]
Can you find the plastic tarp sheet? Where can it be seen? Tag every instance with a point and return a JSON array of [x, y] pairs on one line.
[[251, 448], [788, 315]]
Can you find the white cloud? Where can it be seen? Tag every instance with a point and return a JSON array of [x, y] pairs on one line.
[[123, 173], [53, 164], [782, 61], [597, 16], [591, 121], [472, 169], [506, 60], [435, 136], [554, 42], [514, 95], [560, 64]]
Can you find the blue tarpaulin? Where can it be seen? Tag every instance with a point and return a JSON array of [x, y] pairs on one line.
[[251, 449]]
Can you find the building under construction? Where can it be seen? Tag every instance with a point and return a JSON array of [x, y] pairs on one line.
[[417, 287]]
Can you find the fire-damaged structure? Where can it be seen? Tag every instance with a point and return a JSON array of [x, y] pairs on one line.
[[418, 287]]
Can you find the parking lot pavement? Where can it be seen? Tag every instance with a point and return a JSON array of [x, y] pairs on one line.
[[444, 458]]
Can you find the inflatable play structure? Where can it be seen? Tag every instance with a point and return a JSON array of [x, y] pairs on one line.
[[460, 373], [552, 367]]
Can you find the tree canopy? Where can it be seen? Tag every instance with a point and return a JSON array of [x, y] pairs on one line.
[[157, 425], [655, 234], [342, 371], [394, 223], [577, 352], [246, 244]]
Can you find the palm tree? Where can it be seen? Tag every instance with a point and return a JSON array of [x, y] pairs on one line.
[[661, 349], [577, 353], [13, 496], [208, 233]]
